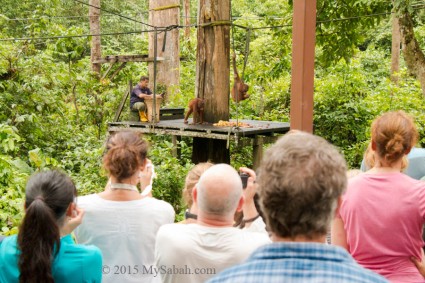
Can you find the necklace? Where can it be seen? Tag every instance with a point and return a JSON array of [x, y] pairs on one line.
[[121, 186]]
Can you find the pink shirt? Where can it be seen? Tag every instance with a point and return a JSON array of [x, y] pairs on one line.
[[383, 216]]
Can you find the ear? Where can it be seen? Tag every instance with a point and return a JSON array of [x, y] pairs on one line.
[[240, 204], [70, 209], [338, 205], [373, 145], [195, 195], [142, 167]]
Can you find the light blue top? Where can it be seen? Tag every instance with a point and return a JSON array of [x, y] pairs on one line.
[[298, 262], [416, 165], [73, 264]]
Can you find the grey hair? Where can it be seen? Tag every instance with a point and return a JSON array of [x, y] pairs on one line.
[[300, 181], [219, 190]]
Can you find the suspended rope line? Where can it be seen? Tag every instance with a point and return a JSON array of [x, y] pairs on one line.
[[114, 13], [47, 18], [72, 36], [184, 26]]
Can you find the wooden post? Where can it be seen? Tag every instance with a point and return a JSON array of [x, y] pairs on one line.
[[187, 18], [96, 53], [164, 13], [176, 151], [395, 50], [302, 85], [212, 75], [257, 152]]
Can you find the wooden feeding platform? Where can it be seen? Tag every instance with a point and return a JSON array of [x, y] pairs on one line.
[[257, 133]]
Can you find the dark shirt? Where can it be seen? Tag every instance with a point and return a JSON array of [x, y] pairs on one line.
[[135, 92]]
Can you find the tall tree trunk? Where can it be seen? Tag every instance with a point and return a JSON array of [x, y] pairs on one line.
[[212, 74], [395, 50], [164, 13], [187, 18], [96, 53], [413, 55]]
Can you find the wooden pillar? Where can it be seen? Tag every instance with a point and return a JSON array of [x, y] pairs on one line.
[[164, 13], [302, 85], [95, 53], [212, 74], [176, 151], [257, 151], [395, 49], [187, 18]]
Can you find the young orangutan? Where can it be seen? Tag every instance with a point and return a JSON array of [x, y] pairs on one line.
[[196, 106], [240, 89]]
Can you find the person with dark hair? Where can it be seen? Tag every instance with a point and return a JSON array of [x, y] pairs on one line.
[[382, 213], [137, 98], [300, 181], [119, 220], [43, 250]]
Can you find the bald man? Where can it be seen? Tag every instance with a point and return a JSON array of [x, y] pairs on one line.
[[196, 252]]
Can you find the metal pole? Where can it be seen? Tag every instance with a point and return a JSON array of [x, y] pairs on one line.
[[155, 54]]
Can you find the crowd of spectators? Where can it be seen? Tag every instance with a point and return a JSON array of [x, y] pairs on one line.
[[274, 229]]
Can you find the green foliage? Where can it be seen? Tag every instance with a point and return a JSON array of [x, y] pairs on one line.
[[54, 111], [349, 97], [170, 171], [13, 175]]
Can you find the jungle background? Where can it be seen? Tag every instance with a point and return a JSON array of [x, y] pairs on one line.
[[54, 111]]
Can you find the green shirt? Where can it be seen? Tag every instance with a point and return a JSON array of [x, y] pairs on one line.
[[73, 264]]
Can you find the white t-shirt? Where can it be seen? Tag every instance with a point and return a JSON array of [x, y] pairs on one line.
[[125, 232], [194, 253]]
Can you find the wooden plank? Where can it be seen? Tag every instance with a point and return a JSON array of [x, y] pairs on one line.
[[108, 70], [123, 100], [258, 127], [118, 70], [157, 131]]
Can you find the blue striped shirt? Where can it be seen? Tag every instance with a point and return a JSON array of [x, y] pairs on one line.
[[298, 262]]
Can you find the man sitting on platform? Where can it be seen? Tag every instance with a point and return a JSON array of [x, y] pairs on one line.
[[137, 98]]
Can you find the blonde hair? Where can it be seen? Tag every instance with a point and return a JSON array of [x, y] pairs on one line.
[[369, 158], [191, 179]]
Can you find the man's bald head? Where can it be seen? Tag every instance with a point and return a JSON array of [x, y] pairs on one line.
[[219, 190]]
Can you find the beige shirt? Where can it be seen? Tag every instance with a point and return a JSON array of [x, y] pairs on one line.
[[194, 253]]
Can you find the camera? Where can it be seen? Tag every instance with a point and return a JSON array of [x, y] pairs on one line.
[[244, 178]]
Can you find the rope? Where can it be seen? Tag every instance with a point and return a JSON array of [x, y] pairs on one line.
[[113, 13], [166, 7], [216, 23], [248, 38]]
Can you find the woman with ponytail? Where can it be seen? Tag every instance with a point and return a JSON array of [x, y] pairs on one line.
[[381, 215], [119, 220], [43, 250]]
